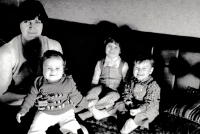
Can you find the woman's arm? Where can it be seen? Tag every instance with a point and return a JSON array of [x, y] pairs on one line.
[[54, 45], [6, 78], [97, 73]]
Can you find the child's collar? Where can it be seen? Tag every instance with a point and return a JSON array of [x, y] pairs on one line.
[[149, 78], [112, 60]]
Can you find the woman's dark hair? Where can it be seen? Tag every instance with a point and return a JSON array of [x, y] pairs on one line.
[[29, 9]]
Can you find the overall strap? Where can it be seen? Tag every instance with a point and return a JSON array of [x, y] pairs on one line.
[[119, 68]]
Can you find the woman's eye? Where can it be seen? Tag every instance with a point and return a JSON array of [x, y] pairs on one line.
[[116, 47], [38, 22]]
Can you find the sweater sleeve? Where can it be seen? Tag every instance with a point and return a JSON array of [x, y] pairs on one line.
[[30, 99], [5, 69], [152, 97], [77, 97]]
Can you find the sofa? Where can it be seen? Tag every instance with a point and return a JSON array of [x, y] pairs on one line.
[[177, 71]]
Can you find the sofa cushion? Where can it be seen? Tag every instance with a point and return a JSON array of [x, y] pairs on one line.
[[188, 105]]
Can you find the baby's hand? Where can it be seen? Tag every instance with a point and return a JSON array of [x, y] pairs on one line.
[[19, 115], [92, 103], [133, 112], [128, 103]]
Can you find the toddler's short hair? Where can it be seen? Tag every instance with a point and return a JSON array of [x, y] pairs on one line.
[[51, 53], [113, 38], [144, 57]]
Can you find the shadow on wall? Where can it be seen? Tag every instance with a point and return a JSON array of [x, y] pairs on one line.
[[83, 45]]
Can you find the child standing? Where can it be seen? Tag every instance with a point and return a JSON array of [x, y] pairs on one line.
[[141, 95], [109, 75], [61, 94]]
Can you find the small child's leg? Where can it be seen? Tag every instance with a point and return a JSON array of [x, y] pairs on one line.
[[99, 114], [83, 130], [93, 94], [128, 126], [85, 115], [68, 122], [108, 100], [42, 122]]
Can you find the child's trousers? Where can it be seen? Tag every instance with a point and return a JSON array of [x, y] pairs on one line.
[[43, 121]]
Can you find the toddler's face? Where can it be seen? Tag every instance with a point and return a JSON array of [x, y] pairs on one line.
[[142, 70], [112, 50], [53, 69]]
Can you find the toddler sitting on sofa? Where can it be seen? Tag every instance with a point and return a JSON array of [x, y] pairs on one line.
[[61, 94], [141, 95]]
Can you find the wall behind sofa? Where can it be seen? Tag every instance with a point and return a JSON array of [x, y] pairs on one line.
[[170, 17], [176, 17]]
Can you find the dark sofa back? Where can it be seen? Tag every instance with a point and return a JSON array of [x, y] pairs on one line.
[[177, 58], [179, 64]]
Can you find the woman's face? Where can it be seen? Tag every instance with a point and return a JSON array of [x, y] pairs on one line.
[[112, 50], [31, 29]]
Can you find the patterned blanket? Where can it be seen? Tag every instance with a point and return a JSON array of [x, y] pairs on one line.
[[165, 123]]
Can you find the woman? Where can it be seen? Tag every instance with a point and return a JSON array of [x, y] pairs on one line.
[[19, 60]]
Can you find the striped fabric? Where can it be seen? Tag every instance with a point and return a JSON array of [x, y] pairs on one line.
[[189, 110]]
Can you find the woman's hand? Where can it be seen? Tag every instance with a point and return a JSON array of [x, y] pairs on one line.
[[133, 112], [19, 115], [129, 103]]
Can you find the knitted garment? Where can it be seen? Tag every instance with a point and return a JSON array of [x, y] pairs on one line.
[[61, 96]]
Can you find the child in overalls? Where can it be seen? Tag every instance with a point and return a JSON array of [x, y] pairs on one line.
[[109, 74]]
